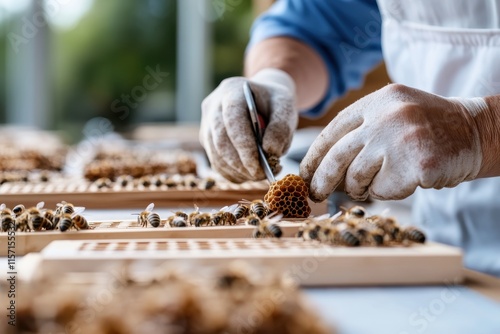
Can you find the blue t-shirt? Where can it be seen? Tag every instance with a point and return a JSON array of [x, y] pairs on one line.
[[346, 33]]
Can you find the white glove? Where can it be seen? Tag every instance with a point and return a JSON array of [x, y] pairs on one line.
[[226, 132], [393, 140]]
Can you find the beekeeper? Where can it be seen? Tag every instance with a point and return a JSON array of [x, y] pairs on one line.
[[436, 131]]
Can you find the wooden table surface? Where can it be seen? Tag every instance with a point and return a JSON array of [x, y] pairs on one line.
[[486, 285]]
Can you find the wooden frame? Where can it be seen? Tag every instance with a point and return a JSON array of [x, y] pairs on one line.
[[319, 264]]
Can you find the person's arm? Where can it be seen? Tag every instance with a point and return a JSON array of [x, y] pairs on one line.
[[302, 55], [296, 58], [488, 124], [327, 47]]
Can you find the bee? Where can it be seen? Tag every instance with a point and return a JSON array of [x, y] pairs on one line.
[[103, 182], [50, 215], [252, 219], [7, 218], [412, 233], [21, 217], [39, 222], [181, 214], [223, 217], [370, 234], [170, 182], [124, 180], [177, 221], [228, 218], [23, 223], [348, 235], [193, 214], [18, 210], [216, 218], [340, 234], [191, 181], [157, 180], [201, 219], [268, 228], [154, 219], [74, 220], [241, 211], [147, 216], [79, 221], [354, 212], [65, 222], [350, 216], [37, 218], [310, 232], [257, 207], [388, 225], [44, 176], [208, 183], [318, 228], [146, 181], [65, 207], [328, 234]]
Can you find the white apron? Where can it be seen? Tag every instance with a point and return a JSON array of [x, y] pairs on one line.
[[451, 48]]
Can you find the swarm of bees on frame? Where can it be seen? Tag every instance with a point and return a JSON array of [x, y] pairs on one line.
[[23, 150], [169, 181], [253, 213], [12, 160], [65, 217], [353, 227], [232, 299], [28, 165], [137, 164], [288, 197]]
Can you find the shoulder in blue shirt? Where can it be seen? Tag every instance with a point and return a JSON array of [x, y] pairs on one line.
[[346, 33]]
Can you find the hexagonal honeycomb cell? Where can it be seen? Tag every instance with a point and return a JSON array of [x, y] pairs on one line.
[[288, 196]]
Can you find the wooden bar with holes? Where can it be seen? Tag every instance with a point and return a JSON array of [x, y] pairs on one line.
[[310, 263], [82, 193]]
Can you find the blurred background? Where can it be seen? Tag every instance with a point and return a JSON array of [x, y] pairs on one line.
[[63, 62]]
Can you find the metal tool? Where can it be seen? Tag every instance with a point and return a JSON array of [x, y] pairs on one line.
[[258, 130]]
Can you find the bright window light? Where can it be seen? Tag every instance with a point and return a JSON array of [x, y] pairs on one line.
[[65, 14]]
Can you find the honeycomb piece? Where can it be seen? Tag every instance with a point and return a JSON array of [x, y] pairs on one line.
[[288, 196]]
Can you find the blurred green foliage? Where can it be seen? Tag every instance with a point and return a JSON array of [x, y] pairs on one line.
[[106, 55], [231, 34]]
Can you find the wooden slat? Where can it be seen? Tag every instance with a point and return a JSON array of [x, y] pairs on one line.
[[310, 264], [82, 194], [486, 285]]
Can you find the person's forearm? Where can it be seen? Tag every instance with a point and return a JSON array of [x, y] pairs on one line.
[[489, 132], [299, 60]]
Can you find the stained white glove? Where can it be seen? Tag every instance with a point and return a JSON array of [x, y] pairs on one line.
[[394, 140], [226, 132]]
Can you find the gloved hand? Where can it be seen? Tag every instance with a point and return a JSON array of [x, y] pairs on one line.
[[226, 132], [393, 140]]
